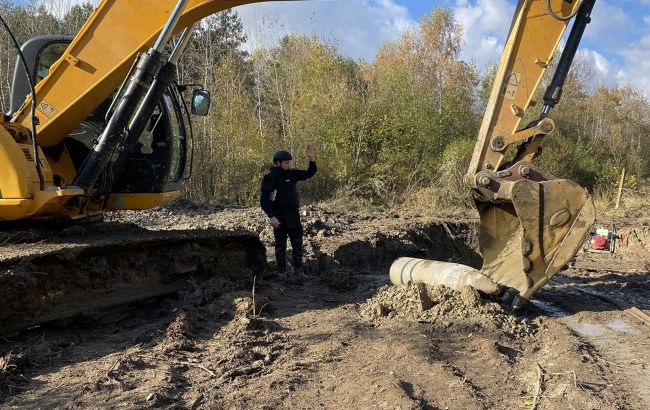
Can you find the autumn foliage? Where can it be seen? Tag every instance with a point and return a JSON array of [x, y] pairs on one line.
[[385, 131]]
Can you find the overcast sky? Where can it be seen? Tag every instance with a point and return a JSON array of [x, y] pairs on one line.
[[617, 42]]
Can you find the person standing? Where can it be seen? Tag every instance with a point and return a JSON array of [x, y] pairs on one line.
[[279, 199]]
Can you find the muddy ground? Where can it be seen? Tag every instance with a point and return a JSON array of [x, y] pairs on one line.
[[345, 338]]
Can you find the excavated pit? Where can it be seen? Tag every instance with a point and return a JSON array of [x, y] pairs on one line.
[[63, 280], [445, 309], [375, 252]]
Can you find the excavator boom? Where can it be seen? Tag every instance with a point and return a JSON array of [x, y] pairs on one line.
[[99, 58], [110, 47]]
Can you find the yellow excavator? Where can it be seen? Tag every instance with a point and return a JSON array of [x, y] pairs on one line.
[[104, 127]]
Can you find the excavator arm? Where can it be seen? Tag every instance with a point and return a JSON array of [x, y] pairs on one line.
[[531, 223], [121, 40], [100, 56]]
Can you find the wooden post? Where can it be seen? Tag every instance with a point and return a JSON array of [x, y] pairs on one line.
[[620, 188]]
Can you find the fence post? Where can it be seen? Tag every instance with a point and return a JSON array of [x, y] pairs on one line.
[[620, 188]]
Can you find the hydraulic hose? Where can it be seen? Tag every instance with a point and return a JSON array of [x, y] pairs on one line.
[[561, 18], [554, 90], [34, 119]]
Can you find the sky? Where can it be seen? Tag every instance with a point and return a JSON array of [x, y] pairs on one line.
[[616, 43]]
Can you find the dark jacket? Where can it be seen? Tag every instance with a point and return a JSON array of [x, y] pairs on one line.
[[286, 204]]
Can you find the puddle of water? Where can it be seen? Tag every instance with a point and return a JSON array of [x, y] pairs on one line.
[[620, 326], [607, 338], [586, 329], [550, 309]]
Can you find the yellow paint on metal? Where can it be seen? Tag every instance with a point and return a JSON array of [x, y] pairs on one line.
[[529, 228], [44, 203], [20, 194], [64, 168], [103, 52], [15, 181], [140, 200], [533, 39], [522, 243]]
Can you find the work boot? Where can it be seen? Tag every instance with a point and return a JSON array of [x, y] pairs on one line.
[[281, 270], [299, 276]]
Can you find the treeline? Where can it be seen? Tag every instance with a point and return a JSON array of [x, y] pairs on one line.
[[31, 19], [399, 127], [381, 130]]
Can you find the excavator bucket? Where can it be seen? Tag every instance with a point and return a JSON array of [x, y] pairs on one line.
[[527, 241], [524, 240]]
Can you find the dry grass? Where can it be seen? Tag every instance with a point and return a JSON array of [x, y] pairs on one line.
[[630, 200], [10, 238], [431, 201], [440, 202]]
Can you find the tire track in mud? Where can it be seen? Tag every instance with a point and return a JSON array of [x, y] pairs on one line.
[[476, 392], [611, 338]]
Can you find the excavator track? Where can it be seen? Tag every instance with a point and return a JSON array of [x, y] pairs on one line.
[[80, 272]]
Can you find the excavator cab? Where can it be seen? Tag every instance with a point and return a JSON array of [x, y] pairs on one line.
[[158, 162]]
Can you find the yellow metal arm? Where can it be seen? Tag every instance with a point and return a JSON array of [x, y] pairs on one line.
[[532, 224], [533, 39], [100, 56]]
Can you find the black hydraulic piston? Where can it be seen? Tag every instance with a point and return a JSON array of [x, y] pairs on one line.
[[140, 118], [114, 134], [165, 77], [554, 90]]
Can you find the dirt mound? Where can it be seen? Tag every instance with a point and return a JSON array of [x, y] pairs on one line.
[[339, 279], [447, 309], [179, 334], [117, 378], [247, 347]]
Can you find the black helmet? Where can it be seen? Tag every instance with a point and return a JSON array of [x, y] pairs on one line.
[[282, 156]]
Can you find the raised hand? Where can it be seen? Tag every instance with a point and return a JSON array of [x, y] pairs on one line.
[[310, 152]]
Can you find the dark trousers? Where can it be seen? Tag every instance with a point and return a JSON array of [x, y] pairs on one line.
[[295, 236]]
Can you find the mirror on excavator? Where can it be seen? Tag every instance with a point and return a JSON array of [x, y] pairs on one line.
[[200, 102]]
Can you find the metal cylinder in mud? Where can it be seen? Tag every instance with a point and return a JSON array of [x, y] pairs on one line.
[[435, 273]]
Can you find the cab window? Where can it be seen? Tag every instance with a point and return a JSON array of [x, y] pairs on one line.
[[48, 55]]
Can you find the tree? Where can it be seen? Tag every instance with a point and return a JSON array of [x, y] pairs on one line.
[[31, 19], [422, 97]]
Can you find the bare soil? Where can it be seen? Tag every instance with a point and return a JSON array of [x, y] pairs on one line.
[[345, 338]]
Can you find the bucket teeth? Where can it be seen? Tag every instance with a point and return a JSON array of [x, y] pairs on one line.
[[528, 240]]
